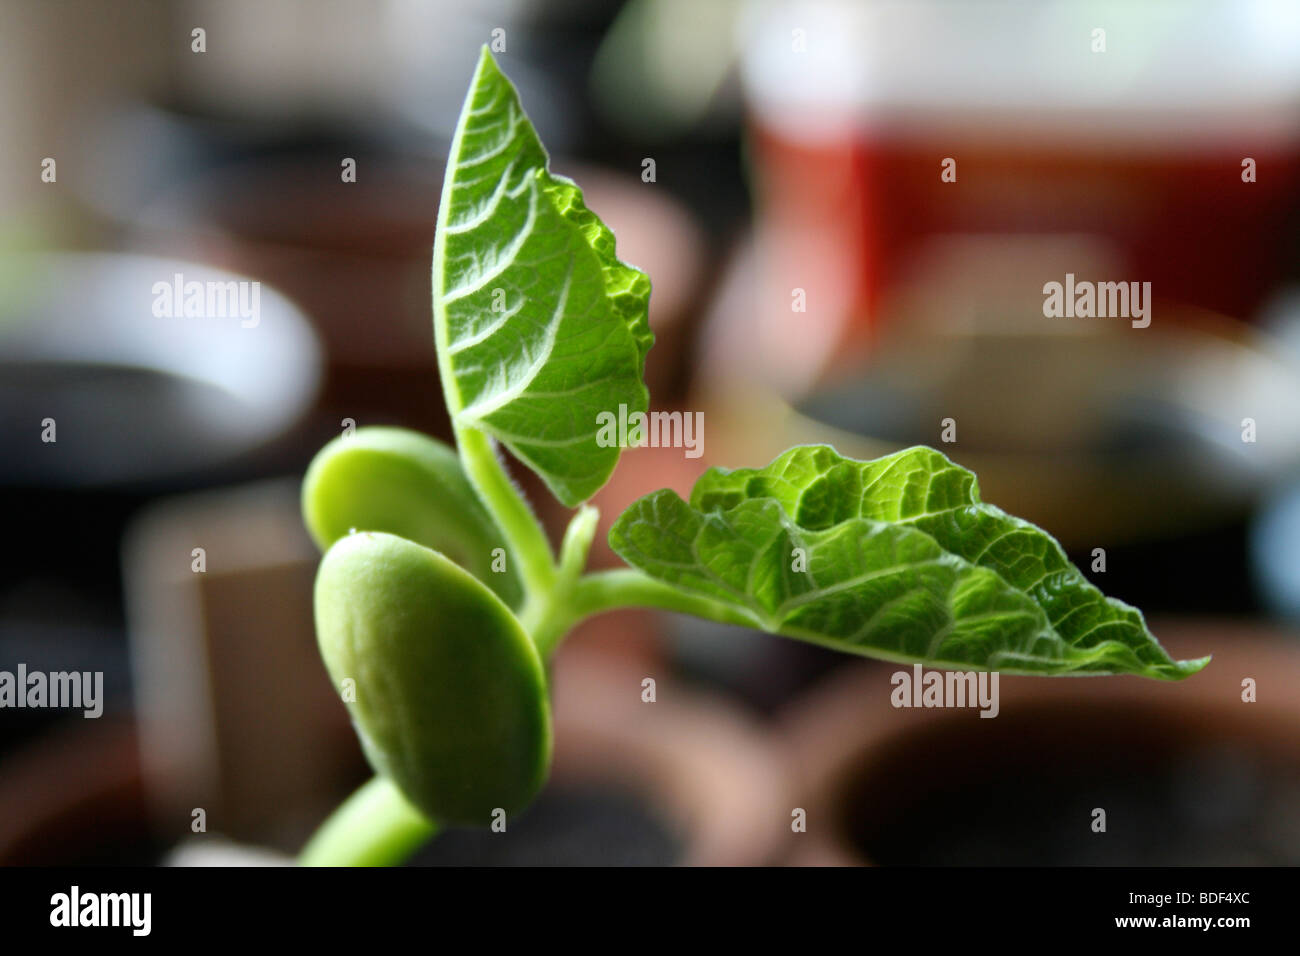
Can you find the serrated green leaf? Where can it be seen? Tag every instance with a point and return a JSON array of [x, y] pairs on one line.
[[539, 326], [903, 561]]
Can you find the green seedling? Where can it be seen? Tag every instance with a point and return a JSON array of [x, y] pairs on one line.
[[439, 598]]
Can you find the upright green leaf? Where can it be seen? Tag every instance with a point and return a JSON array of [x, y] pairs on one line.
[[895, 558], [539, 326]]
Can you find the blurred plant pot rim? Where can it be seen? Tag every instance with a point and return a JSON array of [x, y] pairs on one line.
[[138, 390], [690, 755], [845, 736]]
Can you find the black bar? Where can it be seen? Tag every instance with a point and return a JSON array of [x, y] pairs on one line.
[[271, 905]]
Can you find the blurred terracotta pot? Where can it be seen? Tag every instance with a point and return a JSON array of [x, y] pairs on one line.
[[693, 758], [1186, 773]]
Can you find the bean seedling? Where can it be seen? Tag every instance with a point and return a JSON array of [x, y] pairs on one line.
[[440, 598]]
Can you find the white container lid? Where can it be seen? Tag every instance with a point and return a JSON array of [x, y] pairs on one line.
[[1190, 70]]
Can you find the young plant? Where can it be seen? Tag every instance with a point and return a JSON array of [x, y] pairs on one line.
[[439, 598]]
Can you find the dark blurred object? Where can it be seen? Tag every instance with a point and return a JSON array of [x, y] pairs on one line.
[[98, 388], [75, 797], [36, 637], [579, 828], [1188, 773]]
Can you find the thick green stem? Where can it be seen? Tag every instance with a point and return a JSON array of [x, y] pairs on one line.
[[548, 621], [373, 827], [528, 543]]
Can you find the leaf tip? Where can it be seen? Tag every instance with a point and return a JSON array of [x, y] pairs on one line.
[[487, 66], [1177, 670], [1187, 668]]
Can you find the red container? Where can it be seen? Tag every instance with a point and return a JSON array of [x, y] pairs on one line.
[[1137, 150]]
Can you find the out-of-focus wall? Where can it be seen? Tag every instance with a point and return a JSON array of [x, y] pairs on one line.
[[56, 60]]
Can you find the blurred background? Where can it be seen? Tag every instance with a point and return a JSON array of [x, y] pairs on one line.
[[817, 277]]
